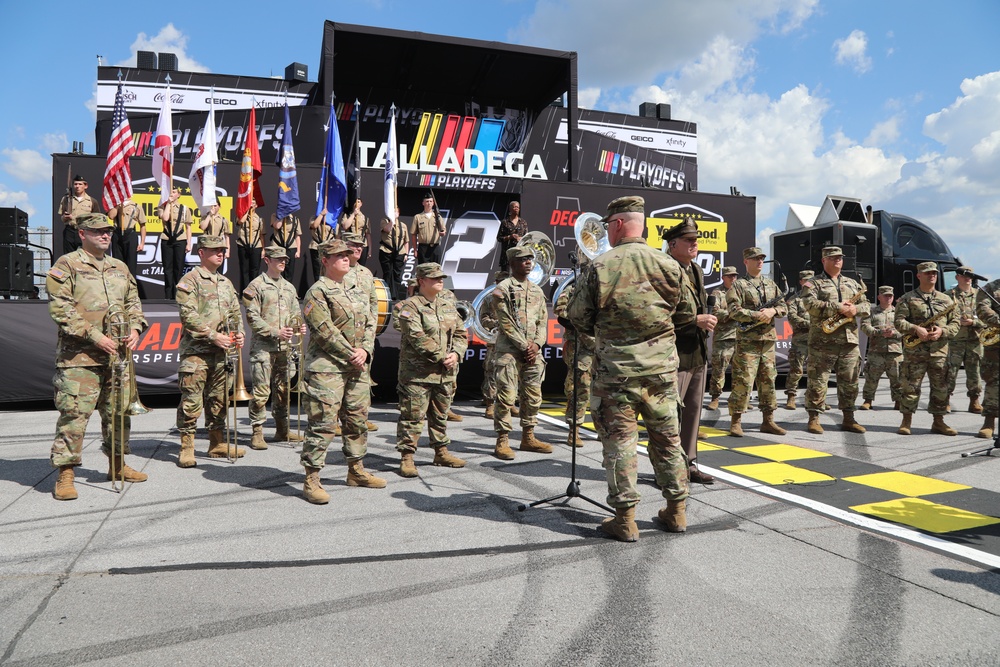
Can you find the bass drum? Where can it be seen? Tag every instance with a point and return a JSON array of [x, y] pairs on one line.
[[384, 306]]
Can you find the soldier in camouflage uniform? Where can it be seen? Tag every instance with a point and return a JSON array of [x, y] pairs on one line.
[[336, 381], [965, 349], [626, 299], [578, 353], [489, 320], [834, 295], [885, 351], [798, 353], [754, 356], [73, 206], [272, 308], [723, 338], [522, 318], [360, 285], [83, 286], [914, 312], [989, 313], [432, 345], [209, 311]]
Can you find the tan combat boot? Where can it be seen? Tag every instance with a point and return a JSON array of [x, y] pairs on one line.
[[371, 426], [736, 426], [904, 428], [64, 484], [673, 517], [768, 425], [849, 424], [814, 426], [713, 404], [975, 407], [790, 403], [622, 526], [358, 476], [257, 440], [489, 411], [529, 443], [502, 450], [313, 490], [118, 469], [186, 458], [987, 430], [445, 459], [573, 438], [282, 434], [867, 405], [217, 448], [407, 468], [941, 428], [453, 417]]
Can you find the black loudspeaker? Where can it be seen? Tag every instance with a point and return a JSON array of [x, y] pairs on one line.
[[16, 270], [663, 111], [145, 59], [168, 62], [13, 226], [297, 72], [647, 110]]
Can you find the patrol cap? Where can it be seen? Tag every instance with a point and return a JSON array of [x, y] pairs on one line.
[[275, 252], [430, 270], [750, 253], [965, 272], [806, 275], [631, 204], [206, 242], [927, 267], [333, 247], [353, 237], [832, 251], [519, 251], [729, 271], [885, 289], [93, 221], [682, 229]]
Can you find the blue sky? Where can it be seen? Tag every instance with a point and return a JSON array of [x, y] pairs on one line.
[[896, 102]]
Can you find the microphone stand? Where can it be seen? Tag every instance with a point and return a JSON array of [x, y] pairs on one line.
[[573, 489], [988, 451]]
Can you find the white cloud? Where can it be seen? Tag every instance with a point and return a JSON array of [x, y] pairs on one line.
[[168, 40], [884, 133], [17, 198], [26, 165], [587, 97], [55, 142], [853, 50]]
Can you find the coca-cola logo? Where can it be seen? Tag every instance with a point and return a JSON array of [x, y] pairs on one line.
[[175, 98]]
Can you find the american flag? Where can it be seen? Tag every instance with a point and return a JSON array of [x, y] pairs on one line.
[[117, 175]]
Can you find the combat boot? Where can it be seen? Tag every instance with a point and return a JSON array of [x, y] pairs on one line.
[[313, 490], [736, 426], [445, 459], [282, 434], [975, 407], [257, 440], [64, 484], [867, 405], [186, 458], [489, 411], [987, 430], [941, 428], [904, 428], [453, 417], [529, 443], [217, 449], [713, 404], [790, 403], [406, 466], [118, 470], [814, 426], [622, 526], [358, 476], [371, 426], [673, 517], [573, 439], [768, 425], [502, 450], [849, 424]]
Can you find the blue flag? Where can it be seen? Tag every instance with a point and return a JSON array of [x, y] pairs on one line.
[[288, 183], [333, 180]]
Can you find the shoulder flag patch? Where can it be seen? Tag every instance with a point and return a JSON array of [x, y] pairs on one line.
[[57, 273]]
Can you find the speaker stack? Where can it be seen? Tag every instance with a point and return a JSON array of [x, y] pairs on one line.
[[17, 271]]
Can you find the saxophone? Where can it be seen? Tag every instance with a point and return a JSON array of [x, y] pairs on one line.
[[990, 335], [911, 340], [834, 322]]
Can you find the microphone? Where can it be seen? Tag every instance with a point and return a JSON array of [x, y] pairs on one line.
[[711, 302]]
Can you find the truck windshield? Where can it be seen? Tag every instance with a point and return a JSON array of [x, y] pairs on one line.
[[949, 279]]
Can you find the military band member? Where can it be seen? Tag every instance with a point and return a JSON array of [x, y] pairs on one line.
[[249, 246], [885, 351], [209, 311], [175, 240], [753, 360], [626, 299], [930, 316], [320, 232], [965, 349], [522, 329], [71, 207], [426, 230], [287, 233], [83, 286], [833, 295], [989, 313], [360, 284], [126, 244], [356, 222], [215, 224], [394, 244], [272, 308], [578, 353], [336, 381], [488, 317], [723, 337], [798, 318], [432, 345]]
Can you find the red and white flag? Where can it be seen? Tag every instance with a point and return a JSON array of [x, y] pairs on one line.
[[117, 174], [249, 189], [163, 150], [202, 178]]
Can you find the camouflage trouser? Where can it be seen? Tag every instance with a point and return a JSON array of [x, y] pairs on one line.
[[489, 386], [877, 364], [911, 375], [968, 353], [269, 373], [78, 391], [582, 400], [202, 381], [842, 359], [798, 353], [417, 402], [512, 373], [753, 360], [991, 371], [327, 397], [615, 408], [722, 356]]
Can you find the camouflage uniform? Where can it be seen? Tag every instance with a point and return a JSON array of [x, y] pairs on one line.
[[988, 313], [965, 349], [207, 304], [723, 343], [626, 299], [81, 289], [522, 318], [754, 356], [798, 353], [271, 305], [489, 387], [914, 309], [837, 351], [884, 354], [584, 361]]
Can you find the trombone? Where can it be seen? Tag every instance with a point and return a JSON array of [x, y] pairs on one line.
[[294, 351], [117, 328], [234, 372]]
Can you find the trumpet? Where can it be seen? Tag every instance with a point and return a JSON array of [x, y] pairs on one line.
[[911, 340], [990, 335], [118, 328]]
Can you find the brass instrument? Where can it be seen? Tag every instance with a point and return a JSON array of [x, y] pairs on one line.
[[911, 340], [591, 235], [466, 312], [294, 348], [990, 335], [545, 256], [118, 329], [834, 322], [477, 325], [234, 372]]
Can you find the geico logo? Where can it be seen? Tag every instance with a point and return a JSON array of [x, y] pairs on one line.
[[636, 137], [223, 101], [564, 218]]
